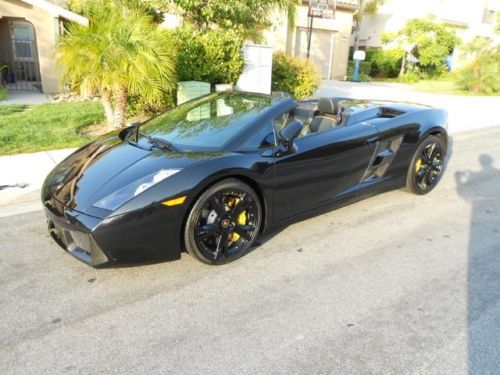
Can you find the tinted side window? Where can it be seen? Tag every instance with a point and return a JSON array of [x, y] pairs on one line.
[[280, 122], [283, 120], [262, 139]]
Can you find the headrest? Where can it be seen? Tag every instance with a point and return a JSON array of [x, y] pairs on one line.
[[327, 105]]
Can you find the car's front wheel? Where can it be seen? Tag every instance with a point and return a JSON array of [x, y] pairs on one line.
[[223, 223], [427, 165]]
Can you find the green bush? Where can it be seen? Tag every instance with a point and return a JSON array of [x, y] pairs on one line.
[[386, 62], [136, 105], [433, 42], [213, 56], [294, 75], [410, 77], [365, 69], [3, 93], [482, 74], [364, 66]]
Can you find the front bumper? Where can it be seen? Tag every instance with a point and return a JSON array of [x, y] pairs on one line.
[[150, 234], [72, 231]]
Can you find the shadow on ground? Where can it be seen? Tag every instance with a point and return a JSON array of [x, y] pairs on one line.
[[483, 275]]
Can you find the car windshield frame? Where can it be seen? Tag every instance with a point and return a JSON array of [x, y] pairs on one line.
[[210, 122]]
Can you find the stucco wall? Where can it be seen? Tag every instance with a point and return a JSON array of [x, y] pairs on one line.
[[282, 39], [394, 14], [46, 33]]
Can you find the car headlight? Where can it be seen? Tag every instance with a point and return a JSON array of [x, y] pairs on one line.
[[119, 197]]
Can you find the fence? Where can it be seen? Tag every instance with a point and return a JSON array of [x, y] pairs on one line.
[[21, 75]]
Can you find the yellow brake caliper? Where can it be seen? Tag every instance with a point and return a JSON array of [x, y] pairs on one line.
[[240, 220], [418, 164]]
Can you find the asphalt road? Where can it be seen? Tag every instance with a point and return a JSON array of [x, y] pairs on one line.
[[394, 284]]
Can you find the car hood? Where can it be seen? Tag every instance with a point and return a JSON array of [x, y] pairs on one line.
[[102, 167]]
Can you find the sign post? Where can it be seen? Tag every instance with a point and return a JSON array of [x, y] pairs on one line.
[[358, 56]]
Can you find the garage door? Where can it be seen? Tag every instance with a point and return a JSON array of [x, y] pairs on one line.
[[321, 48]]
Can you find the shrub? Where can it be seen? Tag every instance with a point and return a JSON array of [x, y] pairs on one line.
[[365, 69], [482, 74], [430, 44], [294, 75], [386, 62], [213, 56], [136, 105], [433, 42], [3, 93], [411, 76]]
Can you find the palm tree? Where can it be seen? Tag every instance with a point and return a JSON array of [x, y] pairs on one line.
[[121, 53]]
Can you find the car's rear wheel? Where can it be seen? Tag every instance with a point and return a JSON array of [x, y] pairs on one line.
[[427, 165], [223, 223]]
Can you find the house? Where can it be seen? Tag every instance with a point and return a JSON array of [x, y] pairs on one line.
[[28, 33], [329, 48], [467, 19], [29, 30]]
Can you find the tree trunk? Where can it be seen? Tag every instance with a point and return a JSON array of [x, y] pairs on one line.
[[120, 94], [356, 37], [108, 107], [403, 63], [358, 20]]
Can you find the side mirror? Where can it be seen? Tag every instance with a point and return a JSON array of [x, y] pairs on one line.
[[267, 141], [290, 132]]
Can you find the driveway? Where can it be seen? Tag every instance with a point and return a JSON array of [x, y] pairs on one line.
[[394, 284]]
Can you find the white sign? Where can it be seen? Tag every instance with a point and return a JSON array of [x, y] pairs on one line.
[[256, 76], [359, 55]]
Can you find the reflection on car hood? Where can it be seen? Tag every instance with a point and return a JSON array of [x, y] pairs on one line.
[[102, 167]]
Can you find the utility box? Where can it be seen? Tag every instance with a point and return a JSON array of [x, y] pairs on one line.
[[256, 76], [189, 90]]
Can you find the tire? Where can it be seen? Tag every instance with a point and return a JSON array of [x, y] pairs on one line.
[[223, 223], [426, 167]]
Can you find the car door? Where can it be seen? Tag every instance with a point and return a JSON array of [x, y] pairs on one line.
[[321, 168]]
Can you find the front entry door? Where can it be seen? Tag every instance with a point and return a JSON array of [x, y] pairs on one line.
[[22, 71]]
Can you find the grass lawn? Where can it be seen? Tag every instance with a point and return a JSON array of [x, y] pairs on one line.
[[439, 87], [46, 126]]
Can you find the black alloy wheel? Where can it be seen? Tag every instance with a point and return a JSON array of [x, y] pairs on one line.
[[223, 223], [427, 165]]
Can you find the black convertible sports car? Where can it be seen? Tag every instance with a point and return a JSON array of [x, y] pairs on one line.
[[210, 174]]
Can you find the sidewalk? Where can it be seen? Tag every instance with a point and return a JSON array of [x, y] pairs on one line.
[[28, 169], [25, 97]]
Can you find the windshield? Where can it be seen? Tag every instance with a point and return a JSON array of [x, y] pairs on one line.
[[208, 123]]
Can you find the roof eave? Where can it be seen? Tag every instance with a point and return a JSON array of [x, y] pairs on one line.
[[58, 11]]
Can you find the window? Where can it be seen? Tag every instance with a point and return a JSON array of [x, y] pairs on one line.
[[280, 122], [263, 139], [207, 123], [22, 42]]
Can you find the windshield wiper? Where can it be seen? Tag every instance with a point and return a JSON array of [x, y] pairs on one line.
[[156, 142], [160, 143]]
